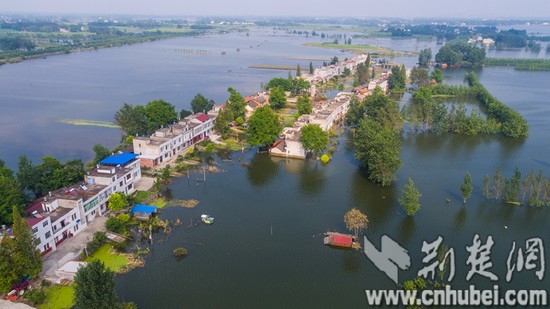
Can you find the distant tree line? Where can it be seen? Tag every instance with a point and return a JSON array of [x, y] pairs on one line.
[[521, 64]]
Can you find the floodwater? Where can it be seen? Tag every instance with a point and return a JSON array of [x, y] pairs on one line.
[[265, 249]]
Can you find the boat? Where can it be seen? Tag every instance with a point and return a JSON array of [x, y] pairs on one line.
[[338, 240], [207, 219]]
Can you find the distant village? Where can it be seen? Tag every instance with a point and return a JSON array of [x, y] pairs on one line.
[[67, 211]]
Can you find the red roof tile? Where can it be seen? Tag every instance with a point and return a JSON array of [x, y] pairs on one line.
[[34, 221], [202, 117]]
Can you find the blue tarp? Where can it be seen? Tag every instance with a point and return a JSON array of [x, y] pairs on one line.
[[121, 159], [144, 208]]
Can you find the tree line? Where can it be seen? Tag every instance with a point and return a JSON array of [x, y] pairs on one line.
[[520, 64], [460, 54], [533, 189]]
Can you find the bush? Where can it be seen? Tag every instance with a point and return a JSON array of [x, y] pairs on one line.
[[180, 252], [113, 224], [124, 218], [96, 242], [325, 158], [35, 296]]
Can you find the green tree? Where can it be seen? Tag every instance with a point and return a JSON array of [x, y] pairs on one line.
[[94, 287], [355, 221], [221, 124], [263, 127], [425, 57], [377, 149], [410, 198], [236, 104], [419, 77], [201, 104], [311, 70], [277, 98], [184, 113], [24, 259], [160, 113], [26, 177], [313, 138], [355, 112], [101, 152], [437, 75], [304, 105], [466, 187], [397, 78], [298, 70], [118, 201], [132, 120]]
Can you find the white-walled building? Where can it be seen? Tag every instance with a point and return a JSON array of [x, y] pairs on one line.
[[67, 211], [168, 142]]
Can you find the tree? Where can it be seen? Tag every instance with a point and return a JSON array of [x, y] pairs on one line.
[[118, 201], [437, 75], [132, 120], [355, 112], [159, 113], [101, 152], [277, 98], [459, 53], [94, 287], [356, 220], [466, 187], [425, 57], [377, 148], [26, 177], [236, 104], [311, 71], [221, 124], [263, 127], [184, 113], [304, 105], [21, 253], [397, 78], [201, 104], [313, 138], [298, 70], [419, 77], [410, 198]]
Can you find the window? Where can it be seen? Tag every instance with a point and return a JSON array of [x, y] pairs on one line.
[[128, 176], [121, 183], [76, 228], [73, 217], [35, 230], [48, 234], [45, 224]]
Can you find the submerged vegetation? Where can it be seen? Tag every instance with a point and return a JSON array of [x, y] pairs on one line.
[[520, 64]]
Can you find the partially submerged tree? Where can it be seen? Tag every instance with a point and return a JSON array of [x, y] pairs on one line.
[[410, 198], [466, 187], [356, 220]]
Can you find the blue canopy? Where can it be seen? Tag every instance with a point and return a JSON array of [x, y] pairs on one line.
[[144, 209], [121, 159]]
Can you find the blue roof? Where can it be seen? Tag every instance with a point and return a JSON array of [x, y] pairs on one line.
[[121, 159], [144, 208]]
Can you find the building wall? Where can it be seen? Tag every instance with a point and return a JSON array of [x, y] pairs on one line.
[[43, 233]]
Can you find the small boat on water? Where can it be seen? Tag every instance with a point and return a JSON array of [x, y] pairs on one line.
[[207, 219], [339, 240]]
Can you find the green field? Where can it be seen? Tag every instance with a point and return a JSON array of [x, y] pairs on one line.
[[115, 262], [93, 123], [58, 297]]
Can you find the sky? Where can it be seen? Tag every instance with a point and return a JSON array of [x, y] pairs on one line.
[[322, 8]]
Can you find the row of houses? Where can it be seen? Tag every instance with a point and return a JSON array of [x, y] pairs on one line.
[[67, 211], [325, 114], [169, 142]]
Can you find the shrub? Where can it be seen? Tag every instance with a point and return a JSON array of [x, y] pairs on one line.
[[124, 218], [113, 224], [325, 158], [35, 296], [180, 252]]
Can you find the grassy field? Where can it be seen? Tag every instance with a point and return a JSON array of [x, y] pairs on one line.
[[141, 196], [115, 262], [358, 49], [94, 123], [58, 297]]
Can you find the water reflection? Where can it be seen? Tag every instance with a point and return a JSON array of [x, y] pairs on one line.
[[460, 218], [352, 261], [261, 170], [407, 228], [312, 179]]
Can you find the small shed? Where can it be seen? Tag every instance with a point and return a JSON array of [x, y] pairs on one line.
[[143, 212], [338, 240]]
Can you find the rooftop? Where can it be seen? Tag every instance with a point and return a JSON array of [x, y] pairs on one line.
[[119, 159]]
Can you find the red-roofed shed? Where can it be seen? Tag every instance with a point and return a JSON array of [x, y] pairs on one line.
[[338, 240]]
